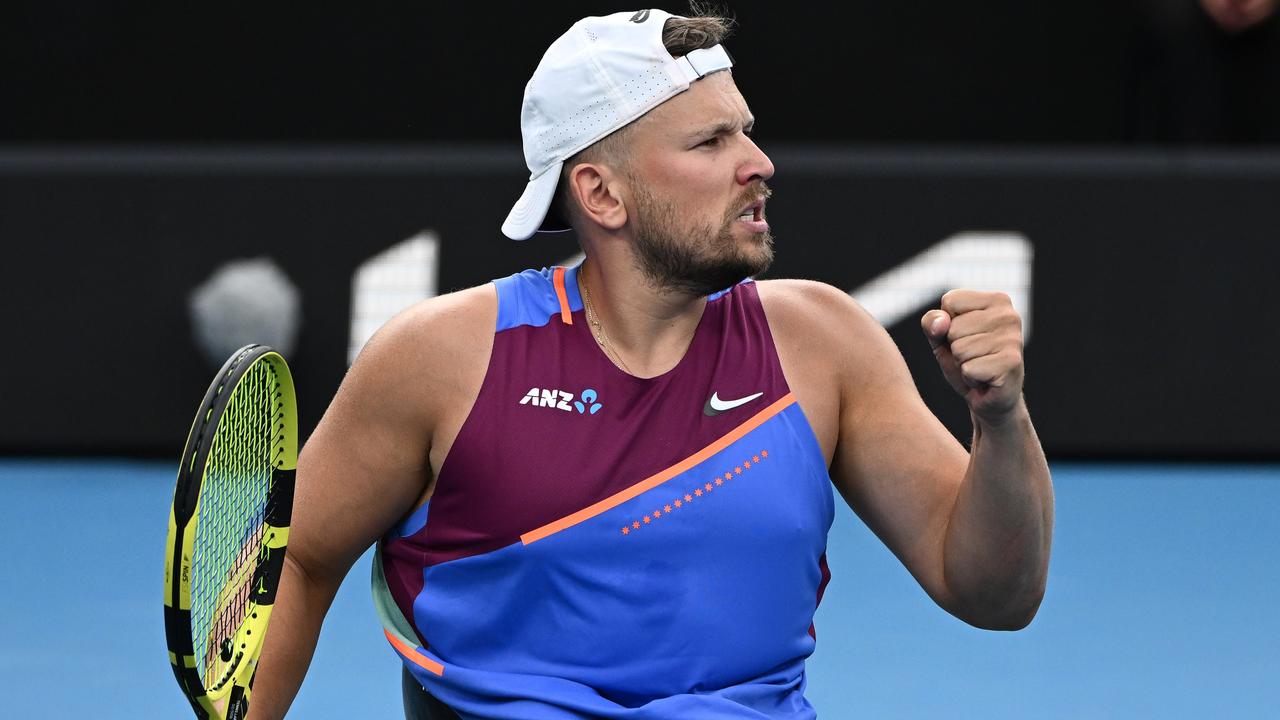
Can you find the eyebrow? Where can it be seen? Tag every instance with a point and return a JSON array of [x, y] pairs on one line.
[[726, 127]]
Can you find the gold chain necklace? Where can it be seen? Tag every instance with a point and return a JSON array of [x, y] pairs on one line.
[[597, 330]]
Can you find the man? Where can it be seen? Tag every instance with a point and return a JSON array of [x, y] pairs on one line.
[[627, 461]]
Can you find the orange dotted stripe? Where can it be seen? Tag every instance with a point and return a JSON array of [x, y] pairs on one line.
[[659, 478], [696, 493]]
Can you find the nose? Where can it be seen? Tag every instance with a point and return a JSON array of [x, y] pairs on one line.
[[756, 165]]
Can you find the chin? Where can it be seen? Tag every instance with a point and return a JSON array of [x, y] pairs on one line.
[[760, 254]]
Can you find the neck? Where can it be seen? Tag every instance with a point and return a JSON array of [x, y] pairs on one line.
[[650, 328]]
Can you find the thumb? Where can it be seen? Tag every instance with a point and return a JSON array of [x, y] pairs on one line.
[[936, 324]]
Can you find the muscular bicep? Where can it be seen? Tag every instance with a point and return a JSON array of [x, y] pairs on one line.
[[369, 462], [895, 463], [364, 466], [358, 473]]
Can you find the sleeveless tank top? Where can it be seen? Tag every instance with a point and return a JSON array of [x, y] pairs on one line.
[[605, 546]]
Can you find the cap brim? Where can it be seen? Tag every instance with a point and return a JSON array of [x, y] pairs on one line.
[[527, 214]]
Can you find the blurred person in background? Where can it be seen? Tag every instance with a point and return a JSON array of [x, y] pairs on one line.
[[1204, 72], [1235, 16]]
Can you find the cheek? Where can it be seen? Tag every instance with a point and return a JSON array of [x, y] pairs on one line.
[[686, 175], [694, 189]]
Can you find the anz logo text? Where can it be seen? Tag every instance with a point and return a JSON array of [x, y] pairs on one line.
[[586, 404]]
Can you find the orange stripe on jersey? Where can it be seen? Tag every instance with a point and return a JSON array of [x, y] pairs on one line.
[[653, 481], [557, 278], [412, 655]]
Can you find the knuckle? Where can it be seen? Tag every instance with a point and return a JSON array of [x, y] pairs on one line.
[[970, 347], [1007, 359]]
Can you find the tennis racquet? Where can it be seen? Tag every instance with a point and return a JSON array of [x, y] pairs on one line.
[[228, 530]]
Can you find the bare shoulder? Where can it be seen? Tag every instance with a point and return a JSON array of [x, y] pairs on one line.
[[429, 354], [435, 329], [366, 463], [831, 351], [812, 303], [824, 321]]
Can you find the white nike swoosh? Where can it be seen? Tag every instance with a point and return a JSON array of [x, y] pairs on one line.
[[715, 405]]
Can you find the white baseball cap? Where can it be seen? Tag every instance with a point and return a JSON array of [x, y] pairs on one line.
[[599, 76]]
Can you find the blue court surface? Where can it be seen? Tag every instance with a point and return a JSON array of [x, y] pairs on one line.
[[1162, 603]]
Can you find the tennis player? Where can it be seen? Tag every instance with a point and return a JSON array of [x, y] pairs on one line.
[[604, 491]]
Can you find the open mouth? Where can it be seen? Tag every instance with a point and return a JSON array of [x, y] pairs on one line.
[[753, 212]]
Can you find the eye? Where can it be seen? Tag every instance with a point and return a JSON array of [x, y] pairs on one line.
[[710, 142]]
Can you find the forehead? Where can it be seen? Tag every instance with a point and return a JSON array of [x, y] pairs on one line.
[[713, 99]]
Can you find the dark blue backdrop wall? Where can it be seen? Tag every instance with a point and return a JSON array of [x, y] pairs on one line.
[[1150, 288]]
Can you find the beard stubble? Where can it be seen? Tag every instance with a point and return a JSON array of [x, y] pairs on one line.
[[702, 259]]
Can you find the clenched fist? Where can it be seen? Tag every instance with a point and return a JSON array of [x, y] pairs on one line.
[[977, 339]]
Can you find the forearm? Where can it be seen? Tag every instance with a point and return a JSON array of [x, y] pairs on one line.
[[996, 552], [300, 607]]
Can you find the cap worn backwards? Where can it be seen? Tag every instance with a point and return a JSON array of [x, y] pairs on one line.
[[596, 78]]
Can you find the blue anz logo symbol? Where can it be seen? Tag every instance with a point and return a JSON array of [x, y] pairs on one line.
[[559, 400], [588, 398]]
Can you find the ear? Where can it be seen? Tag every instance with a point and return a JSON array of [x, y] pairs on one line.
[[598, 190]]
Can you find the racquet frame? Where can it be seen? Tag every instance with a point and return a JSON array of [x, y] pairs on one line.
[[229, 698]]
